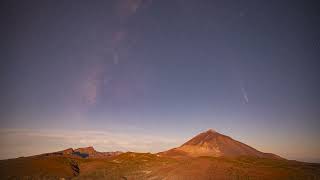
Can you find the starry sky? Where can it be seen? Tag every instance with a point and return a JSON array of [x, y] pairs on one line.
[[146, 75]]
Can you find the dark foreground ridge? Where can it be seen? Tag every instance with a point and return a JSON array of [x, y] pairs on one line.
[[209, 155]]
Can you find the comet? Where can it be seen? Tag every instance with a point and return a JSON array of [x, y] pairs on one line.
[[244, 95]]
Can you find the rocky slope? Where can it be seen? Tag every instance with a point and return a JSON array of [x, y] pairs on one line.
[[212, 143]]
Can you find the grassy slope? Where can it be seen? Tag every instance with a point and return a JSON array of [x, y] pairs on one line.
[[150, 166], [38, 167]]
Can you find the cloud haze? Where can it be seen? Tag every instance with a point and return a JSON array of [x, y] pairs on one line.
[[21, 142]]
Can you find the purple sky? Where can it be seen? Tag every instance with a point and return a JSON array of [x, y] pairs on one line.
[[161, 69]]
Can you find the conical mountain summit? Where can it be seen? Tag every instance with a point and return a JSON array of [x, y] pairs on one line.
[[212, 143]]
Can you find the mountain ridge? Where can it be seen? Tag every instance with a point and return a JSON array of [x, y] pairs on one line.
[[83, 152], [205, 156], [212, 143]]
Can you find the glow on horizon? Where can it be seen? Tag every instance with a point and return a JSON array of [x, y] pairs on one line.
[[26, 142]]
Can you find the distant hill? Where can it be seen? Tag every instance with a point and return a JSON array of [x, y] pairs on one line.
[[85, 152], [212, 143]]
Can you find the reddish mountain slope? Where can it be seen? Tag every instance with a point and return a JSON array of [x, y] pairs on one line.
[[212, 143]]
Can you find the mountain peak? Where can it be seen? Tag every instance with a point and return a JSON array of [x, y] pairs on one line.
[[210, 131], [204, 138], [85, 148], [212, 143]]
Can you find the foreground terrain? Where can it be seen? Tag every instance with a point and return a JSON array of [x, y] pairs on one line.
[[209, 155], [151, 166]]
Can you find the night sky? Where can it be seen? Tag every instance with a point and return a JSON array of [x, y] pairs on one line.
[[146, 75]]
